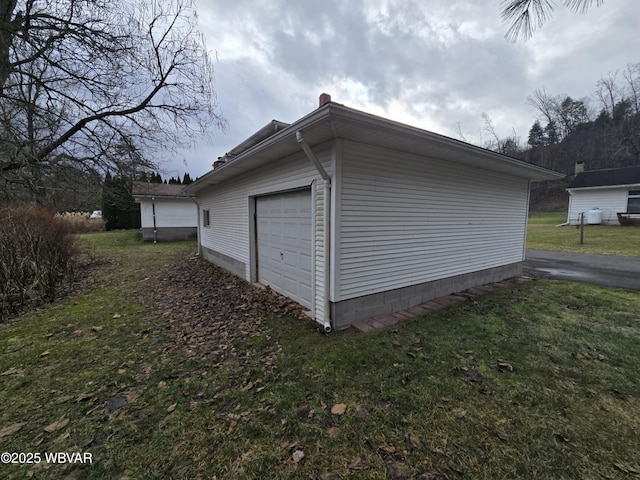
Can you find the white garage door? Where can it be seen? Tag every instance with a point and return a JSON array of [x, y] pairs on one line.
[[283, 226]]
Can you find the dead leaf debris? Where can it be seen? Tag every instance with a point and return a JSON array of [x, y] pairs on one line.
[[208, 310]]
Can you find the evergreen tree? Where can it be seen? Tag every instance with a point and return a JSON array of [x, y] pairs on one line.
[[551, 133], [536, 135], [118, 206]]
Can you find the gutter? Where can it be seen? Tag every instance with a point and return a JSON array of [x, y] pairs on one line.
[[326, 321], [604, 187], [309, 121], [449, 149]]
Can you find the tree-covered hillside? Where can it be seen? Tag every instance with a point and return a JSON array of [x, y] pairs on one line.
[[598, 132]]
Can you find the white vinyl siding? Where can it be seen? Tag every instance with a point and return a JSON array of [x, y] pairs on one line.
[[320, 253], [609, 201], [229, 204], [169, 213], [406, 220]]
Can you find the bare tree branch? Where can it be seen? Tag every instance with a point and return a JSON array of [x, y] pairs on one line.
[[81, 78]]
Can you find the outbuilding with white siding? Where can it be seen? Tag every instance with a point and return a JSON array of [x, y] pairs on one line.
[[353, 215], [166, 212], [610, 191]]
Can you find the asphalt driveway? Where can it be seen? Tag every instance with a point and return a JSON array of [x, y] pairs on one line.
[[603, 270]]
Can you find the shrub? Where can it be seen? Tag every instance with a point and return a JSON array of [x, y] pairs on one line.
[[37, 253]]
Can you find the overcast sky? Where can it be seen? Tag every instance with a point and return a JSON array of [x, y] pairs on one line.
[[433, 64]]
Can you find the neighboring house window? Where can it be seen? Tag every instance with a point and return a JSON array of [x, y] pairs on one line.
[[633, 206], [205, 218]]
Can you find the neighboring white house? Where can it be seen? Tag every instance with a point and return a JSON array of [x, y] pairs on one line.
[[166, 212], [353, 215], [609, 191]]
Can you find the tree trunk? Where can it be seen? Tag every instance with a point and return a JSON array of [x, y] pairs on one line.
[[7, 29]]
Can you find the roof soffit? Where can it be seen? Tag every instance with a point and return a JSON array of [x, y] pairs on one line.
[[334, 121]]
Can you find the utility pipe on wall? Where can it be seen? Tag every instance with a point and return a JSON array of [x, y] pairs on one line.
[[198, 237], [326, 322], [312, 156], [327, 255], [155, 229]]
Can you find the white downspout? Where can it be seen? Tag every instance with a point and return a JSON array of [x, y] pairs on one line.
[[195, 200], [153, 211], [312, 156], [327, 256], [326, 321]]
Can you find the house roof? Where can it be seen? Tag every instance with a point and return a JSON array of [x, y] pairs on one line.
[[605, 178], [335, 121], [146, 189], [265, 132]]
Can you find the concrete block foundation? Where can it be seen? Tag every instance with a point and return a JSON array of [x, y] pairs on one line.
[[347, 312], [169, 234], [224, 261]]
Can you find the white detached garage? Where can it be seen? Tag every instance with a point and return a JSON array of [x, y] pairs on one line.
[[166, 212], [354, 215], [614, 193]]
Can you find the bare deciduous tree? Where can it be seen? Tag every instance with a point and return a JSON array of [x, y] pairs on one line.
[[607, 92], [561, 111], [544, 102], [632, 78], [80, 79], [508, 146]]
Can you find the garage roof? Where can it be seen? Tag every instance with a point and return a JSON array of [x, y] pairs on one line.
[[335, 121], [166, 190], [605, 178]]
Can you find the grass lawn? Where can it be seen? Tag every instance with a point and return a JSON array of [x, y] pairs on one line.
[[539, 381], [543, 234]]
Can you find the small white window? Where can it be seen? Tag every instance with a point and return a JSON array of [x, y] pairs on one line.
[[205, 218]]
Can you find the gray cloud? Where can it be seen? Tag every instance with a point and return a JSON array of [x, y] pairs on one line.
[[432, 64]]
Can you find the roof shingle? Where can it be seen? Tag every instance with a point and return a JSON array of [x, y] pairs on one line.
[[146, 189], [603, 178]]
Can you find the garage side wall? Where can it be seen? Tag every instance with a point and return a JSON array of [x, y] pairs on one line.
[[407, 222], [227, 241], [169, 213], [610, 201], [320, 251], [176, 219]]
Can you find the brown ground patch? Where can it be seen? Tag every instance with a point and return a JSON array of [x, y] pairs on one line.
[[208, 309]]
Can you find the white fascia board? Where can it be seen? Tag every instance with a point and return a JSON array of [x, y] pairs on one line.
[[604, 187], [236, 166], [167, 197], [453, 146], [451, 149]]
